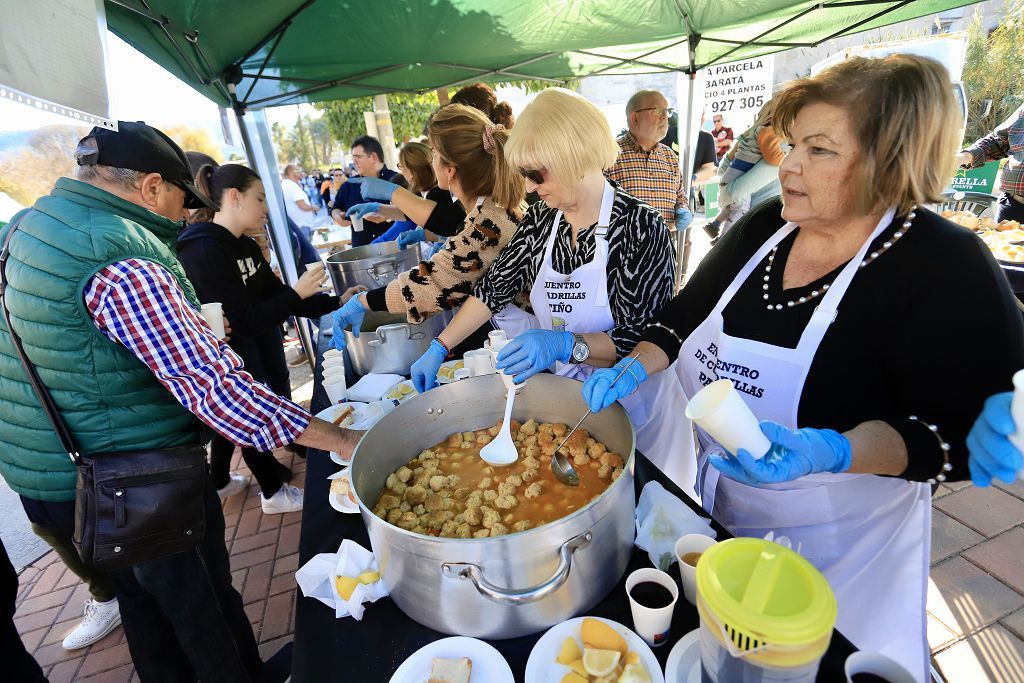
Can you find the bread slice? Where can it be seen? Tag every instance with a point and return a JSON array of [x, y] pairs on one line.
[[450, 670]]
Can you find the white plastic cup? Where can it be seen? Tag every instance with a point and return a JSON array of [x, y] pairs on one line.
[[1017, 411], [333, 362], [879, 665], [319, 264], [331, 353], [652, 624], [333, 371], [691, 543], [462, 373], [214, 315], [496, 340], [479, 362], [719, 411], [336, 388], [357, 223]]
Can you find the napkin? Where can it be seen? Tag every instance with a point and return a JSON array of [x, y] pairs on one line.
[[372, 386], [661, 519], [316, 579]]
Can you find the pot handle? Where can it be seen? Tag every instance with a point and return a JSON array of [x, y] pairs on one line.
[[384, 330], [384, 271], [506, 596]]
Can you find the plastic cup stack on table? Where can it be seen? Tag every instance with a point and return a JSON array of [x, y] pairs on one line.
[[719, 410], [1017, 410], [652, 598], [214, 315], [689, 549]]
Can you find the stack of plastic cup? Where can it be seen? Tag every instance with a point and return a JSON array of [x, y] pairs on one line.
[[719, 410]]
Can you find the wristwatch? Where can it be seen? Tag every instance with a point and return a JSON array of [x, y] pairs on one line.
[[580, 350]]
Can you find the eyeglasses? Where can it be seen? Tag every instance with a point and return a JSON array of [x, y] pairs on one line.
[[659, 111], [360, 156], [717, 120], [534, 175]]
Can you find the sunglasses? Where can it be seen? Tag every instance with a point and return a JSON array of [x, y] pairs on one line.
[[534, 175]]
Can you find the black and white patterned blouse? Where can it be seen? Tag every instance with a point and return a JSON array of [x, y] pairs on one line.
[[640, 264]]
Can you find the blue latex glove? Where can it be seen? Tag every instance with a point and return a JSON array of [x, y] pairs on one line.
[[424, 371], [360, 210], [414, 236], [438, 246], [683, 218], [375, 188], [599, 392], [352, 314], [794, 453], [534, 351], [991, 453]]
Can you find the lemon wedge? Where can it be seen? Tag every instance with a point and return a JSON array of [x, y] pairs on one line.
[[570, 652], [345, 586], [366, 578], [599, 635], [632, 657], [573, 677], [635, 673], [600, 662]]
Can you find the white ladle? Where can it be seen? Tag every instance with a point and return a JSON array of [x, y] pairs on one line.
[[502, 450]]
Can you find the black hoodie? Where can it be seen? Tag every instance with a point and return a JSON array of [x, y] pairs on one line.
[[232, 270]]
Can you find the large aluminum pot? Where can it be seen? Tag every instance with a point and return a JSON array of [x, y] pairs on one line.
[[506, 586], [372, 266], [389, 343]]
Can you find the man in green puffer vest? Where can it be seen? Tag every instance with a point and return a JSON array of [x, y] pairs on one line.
[[112, 324]]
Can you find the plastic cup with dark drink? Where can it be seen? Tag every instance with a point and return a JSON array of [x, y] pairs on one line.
[[652, 597], [871, 667]]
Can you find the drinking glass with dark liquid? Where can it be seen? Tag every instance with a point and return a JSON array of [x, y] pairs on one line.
[[651, 595]]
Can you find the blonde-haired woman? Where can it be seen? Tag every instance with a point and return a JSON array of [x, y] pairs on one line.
[[596, 262], [468, 159]]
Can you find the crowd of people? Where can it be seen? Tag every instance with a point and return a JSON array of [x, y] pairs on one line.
[[821, 297]]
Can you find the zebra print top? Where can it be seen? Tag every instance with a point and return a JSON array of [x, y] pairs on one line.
[[640, 264]]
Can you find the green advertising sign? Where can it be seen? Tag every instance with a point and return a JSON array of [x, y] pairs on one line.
[[711, 207], [982, 179]]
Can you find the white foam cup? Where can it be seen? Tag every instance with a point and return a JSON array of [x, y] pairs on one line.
[[318, 264], [1017, 411], [333, 372], [336, 388], [496, 340], [719, 411], [691, 543], [333, 362], [879, 665], [357, 223], [652, 624], [479, 362], [214, 315]]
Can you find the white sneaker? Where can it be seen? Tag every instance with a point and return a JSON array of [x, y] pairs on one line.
[[236, 484], [100, 619], [287, 499]]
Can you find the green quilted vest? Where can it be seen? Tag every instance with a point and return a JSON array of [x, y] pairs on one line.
[[109, 399]]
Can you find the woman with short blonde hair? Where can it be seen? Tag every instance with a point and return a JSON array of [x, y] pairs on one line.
[[844, 319]]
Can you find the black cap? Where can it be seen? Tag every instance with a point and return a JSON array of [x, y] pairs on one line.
[[139, 147]]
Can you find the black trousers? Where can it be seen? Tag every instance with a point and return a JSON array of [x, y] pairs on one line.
[[264, 359], [1009, 209], [17, 662]]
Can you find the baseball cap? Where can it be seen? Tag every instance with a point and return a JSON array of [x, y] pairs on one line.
[[139, 147]]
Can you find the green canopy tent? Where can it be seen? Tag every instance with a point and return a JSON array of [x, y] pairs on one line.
[[252, 54]]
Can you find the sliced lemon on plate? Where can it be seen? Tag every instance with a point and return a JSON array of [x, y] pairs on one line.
[[569, 653], [635, 673], [600, 662]]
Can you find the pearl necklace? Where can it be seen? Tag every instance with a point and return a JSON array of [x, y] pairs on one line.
[[815, 293]]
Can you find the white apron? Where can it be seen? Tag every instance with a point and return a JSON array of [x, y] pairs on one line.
[[868, 535], [578, 303]]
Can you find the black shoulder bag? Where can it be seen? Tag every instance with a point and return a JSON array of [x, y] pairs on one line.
[[130, 506]]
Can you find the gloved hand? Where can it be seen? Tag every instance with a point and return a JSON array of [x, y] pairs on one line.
[[534, 351], [438, 246], [794, 453], [414, 236], [991, 453], [598, 390], [683, 218], [375, 188], [352, 313], [360, 210], [424, 370]]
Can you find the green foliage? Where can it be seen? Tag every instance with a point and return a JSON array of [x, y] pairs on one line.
[[307, 143], [994, 71], [409, 114]]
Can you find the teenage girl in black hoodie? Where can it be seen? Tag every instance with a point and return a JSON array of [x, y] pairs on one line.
[[225, 265]]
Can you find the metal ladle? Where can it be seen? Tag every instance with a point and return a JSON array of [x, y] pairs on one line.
[[560, 465]]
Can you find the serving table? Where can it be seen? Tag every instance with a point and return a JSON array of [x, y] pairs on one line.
[[369, 651]]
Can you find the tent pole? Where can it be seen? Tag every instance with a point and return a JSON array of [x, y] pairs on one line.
[[686, 150], [259, 149]]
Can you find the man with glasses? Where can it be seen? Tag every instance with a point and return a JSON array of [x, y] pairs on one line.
[[648, 169], [723, 137], [368, 156]]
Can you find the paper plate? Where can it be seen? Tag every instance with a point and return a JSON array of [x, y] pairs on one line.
[[683, 665], [337, 502], [488, 664], [452, 365], [353, 420], [542, 668]]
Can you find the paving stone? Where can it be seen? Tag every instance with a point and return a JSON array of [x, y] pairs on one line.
[[1003, 557], [1015, 622], [74, 606], [282, 583], [289, 540], [255, 613], [33, 639], [988, 511], [270, 522], [120, 675], [291, 517], [105, 660], [30, 622], [277, 616], [69, 579], [287, 564], [957, 485], [938, 635], [64, 672], [48, 579], [249, 524], [966, 599], [950, 536], [993, 655], [270, 648], [257, 582], [253, 557], [45, 601], [255, 541], [60, 630], [1014, 489], [53, 653], [941, 491]]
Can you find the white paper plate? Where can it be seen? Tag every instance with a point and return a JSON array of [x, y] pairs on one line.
[[542, 668], [459, 363], [338, 502], [683, 665], [488, 664], [353, 420]]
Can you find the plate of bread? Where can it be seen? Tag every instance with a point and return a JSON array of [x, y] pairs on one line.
[[454, 660]]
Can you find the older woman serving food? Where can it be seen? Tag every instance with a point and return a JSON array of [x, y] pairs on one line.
[[865, 330]]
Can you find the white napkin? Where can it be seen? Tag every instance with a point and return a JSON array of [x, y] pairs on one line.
[[371, 387], [661, 519], [316, 579]]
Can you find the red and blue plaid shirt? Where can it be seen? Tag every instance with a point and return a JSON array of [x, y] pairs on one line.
[[1005, 142], [139, 304]]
